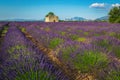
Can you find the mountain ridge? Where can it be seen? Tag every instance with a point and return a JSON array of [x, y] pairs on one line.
[[104, 18]]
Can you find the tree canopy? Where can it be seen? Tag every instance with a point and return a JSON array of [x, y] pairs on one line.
[[114, 15], [50, 14]]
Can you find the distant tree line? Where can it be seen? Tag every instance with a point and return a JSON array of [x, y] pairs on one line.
[[114, 15]]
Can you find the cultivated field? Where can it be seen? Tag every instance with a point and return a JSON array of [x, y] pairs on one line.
[[59, 51]]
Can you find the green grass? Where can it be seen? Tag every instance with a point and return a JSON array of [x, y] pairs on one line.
[[81, 39], [111, 33], [86, 33], [47, 29], [104, 43], [77, 38], [66, 53], [34, 75], [113, 75], [18, 48], [80, 31], [55, 42], [63, 33], [23, 29], [116, 35], [90, 60], [74, 37], [4, 31], [116, 50], [97, 34], [110, 47]]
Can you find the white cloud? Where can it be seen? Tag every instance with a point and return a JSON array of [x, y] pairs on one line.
[[97, 5], [116, 5]]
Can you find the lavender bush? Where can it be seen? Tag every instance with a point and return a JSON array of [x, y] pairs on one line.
[[88, 47]]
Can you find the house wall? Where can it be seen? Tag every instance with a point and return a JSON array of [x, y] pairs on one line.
[[47, 19], [51, 19]]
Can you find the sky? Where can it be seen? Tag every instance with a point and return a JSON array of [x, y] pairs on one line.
[[37, 9]]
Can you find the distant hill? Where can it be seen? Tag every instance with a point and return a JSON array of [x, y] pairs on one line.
[[75, 19], [104, 18], [22, 20]]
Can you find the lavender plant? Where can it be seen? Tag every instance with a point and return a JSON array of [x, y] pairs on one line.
[[83, 46], [22, 60]]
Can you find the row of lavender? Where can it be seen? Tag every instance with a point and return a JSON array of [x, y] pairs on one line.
[[90, 47], [21, 60], [2, 24]]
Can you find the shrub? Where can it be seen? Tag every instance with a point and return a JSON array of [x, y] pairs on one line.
[[113, 75], [86, 33], [23, 29], [111, 33], [117, 35], [63, 33], [97, 34], [116, 51], [104, 43], [17, 50], [66, 53], [55, 42], [90, 60], [109, 46], [34, 75], [81, 39], [74, 37]]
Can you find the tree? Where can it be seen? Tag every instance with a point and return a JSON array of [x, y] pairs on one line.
[[50, 14], [114, 15]]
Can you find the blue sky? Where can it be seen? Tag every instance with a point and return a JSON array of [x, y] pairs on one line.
[[37, 9]]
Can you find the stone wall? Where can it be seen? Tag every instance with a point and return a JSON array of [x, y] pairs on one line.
[[51, 19]]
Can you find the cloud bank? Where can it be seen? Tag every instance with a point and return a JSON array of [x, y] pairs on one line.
[[97, 5], [116, 5]]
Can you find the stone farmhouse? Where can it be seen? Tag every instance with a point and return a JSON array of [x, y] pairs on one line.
[[51, 17]]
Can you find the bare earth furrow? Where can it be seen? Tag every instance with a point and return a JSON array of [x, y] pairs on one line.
[[71, 73]]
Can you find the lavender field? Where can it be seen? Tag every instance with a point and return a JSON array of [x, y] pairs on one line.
[[59, 51]]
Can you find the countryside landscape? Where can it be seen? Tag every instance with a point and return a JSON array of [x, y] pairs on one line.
[[62, 43]]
